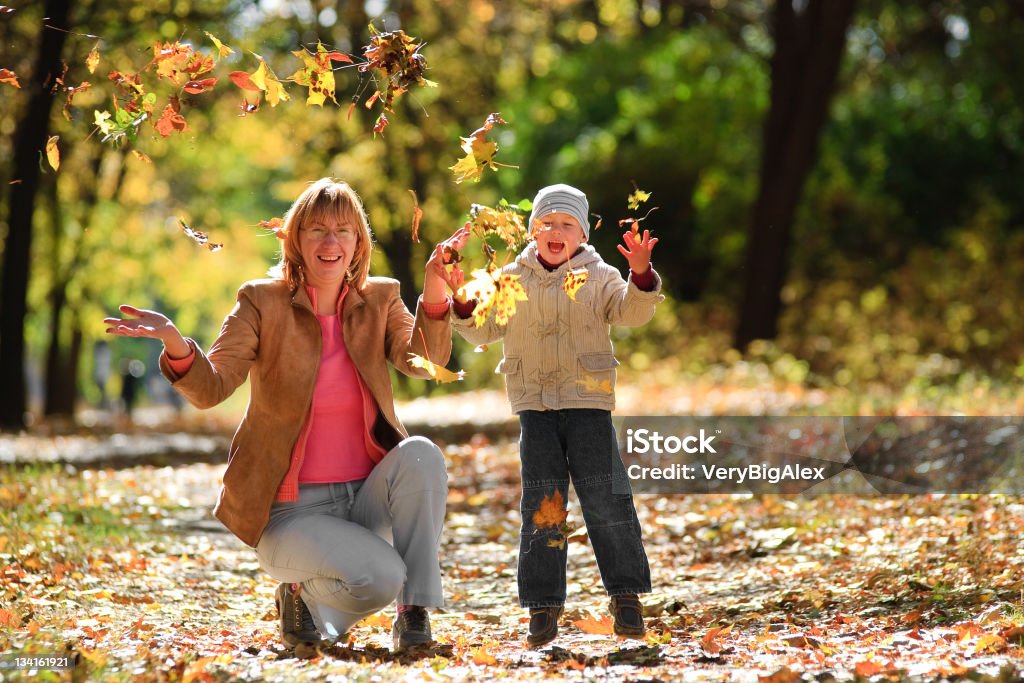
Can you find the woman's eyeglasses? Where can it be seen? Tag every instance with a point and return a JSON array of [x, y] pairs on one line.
[[319, 234]]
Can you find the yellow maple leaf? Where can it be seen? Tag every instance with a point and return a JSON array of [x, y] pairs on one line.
[[441, 374], [591, 383], [482, 655], [574, 279], [264, 79], [637, 198], [506, 223], [479, 152], [510, 290], [53, 152], [222, 49], [552, 512], [598, 626]]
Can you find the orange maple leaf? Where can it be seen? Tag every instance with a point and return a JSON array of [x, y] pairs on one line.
[[709, 643], [552, 512], [9, 77], [171, 119], [598, 626]]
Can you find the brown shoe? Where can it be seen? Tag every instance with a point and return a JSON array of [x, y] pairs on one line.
[[543, 625], [296, 621], [629, 615]]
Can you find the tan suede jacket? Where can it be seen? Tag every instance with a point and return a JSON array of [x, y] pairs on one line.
[[272, 337]]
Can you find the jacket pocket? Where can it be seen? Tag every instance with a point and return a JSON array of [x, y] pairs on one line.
[[596, 374], [515, 384]]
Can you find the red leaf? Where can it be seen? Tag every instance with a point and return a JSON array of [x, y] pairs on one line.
[[171, 120], [8, 76], [242, 80], [199, 87]]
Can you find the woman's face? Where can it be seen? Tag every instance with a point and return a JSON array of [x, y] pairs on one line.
[[327, 245]]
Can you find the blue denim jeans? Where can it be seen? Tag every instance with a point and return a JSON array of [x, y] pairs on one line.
[[578, 444]]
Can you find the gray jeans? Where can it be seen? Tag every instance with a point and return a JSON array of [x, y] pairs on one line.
[[357, 546]]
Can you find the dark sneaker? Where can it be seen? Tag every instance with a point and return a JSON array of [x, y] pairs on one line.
[[629, 615], [411, 627], [296, 621], [543, 625]]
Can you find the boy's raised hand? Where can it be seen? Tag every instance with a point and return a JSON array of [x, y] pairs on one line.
[[638, 254], [437, 275]]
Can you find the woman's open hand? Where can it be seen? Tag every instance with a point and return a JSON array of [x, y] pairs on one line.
[[152, 324]]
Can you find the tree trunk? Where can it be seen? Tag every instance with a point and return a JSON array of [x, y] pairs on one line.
[[29, 139], [61, 361], [809, 46]]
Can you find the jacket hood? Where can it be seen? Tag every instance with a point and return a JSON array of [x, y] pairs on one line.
[[527, 258]]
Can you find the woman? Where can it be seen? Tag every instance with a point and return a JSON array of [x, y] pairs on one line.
[[341, 505]]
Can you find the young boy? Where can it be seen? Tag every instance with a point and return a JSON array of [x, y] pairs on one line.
[[559, 371]]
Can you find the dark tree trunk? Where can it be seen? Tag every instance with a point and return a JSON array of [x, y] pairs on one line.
[[809, 46], [29, 138]]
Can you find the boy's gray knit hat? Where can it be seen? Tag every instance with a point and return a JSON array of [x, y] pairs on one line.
[[562, 199]]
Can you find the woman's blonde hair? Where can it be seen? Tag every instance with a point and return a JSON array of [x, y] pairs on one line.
[[324, 199]]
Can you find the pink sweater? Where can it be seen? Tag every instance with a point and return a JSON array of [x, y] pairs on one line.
[[335, 442]]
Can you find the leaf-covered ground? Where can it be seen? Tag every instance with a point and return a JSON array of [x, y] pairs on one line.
[[128, 569]]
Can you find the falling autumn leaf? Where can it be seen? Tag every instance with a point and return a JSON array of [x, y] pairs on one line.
[[598, 626], [380, 124], [493, 291], [7, 76], [441, 374], [505, 220], [318, 73], [72, 91], [480, 152], [199, 87], [93, 60], [637, 198], [417, 215], [53, 152], [243, 81], [200, 237], [264, 79], [171, 119], [574, 280], [394, 61], [141, 156], [276, 223], [222, 49], [103, 122]]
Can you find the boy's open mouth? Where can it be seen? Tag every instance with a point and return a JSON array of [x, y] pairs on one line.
[[556, 247]]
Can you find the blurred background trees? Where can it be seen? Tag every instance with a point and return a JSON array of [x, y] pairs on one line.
[[886, 181]]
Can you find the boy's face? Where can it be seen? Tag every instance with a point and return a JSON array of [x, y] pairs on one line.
[[558, 236]]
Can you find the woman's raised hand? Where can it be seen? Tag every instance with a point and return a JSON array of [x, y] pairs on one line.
[[152, 324]]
